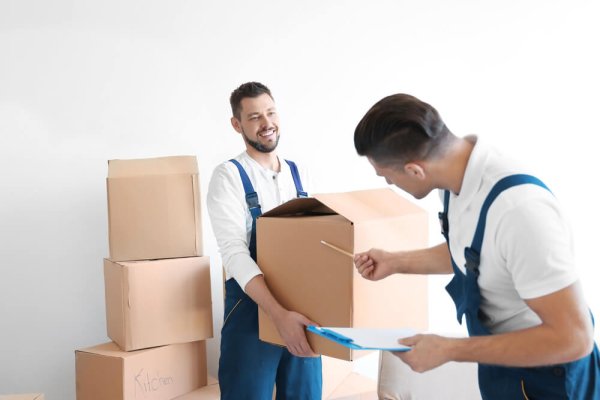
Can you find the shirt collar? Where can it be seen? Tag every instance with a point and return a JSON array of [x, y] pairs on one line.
[[255, 165], [473, 177]]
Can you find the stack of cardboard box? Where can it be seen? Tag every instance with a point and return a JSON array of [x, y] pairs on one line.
[[157, 286]]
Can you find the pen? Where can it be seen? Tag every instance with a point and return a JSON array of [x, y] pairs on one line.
[[337, 249]]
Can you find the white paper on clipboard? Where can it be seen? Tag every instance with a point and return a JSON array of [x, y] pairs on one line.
[[366, 338]]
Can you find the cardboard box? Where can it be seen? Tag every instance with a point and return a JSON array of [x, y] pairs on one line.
[[161, 373], [315, 280], [355, 387], [209, 392], [154, 208], [334, 371], [29, 396], [154, 303]]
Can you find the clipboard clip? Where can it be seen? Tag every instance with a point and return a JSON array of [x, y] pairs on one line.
[[338, 337]]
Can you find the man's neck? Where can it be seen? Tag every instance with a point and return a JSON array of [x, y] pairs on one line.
[[455, 164], [266, 160]]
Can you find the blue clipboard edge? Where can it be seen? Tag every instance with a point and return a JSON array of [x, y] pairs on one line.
[[346, 341]]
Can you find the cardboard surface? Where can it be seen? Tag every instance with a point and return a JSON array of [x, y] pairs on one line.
[[154, 208], [209, 392], [334, 371], [161, 373], [155, 303], [355, 387], [29, 396], [322, 283]]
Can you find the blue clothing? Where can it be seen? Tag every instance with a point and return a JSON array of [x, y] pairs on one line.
[[248, 367], [578, 380]]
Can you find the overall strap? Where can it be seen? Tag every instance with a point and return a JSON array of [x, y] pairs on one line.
[[252, 198], [299, 190], [253, 205], [463, 288], [472, 254], [443, 216], [251, 195]]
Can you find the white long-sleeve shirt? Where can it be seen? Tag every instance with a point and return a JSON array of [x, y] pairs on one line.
[[229, 215]]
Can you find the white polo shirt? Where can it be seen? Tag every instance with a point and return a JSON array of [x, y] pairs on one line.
[[229, 215], [527, 250]]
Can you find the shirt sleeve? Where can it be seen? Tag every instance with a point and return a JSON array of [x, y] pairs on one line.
[[231, 224], [537, 243]]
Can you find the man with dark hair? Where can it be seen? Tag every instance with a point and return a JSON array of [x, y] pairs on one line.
[[507, 244], [239, 191]]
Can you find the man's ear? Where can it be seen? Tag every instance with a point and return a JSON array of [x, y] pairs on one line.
[[236, 124], [414, 170]]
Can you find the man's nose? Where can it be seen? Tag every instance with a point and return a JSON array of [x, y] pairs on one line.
[[266, 121]]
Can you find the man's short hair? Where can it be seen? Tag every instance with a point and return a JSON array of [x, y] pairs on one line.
[[398, 129], [248, 89]]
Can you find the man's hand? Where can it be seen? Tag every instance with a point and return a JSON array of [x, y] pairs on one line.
[[292, 328], [290, 325], [374, 264], [427, 352]]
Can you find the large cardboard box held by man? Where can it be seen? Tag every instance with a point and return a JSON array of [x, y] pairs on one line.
[[159, 302], [322, 283], [153, 208], [161, 373]]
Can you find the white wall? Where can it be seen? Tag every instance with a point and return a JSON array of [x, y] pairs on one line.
[[82, 82]]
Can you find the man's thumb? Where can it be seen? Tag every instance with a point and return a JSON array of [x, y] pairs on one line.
[[408, 341]]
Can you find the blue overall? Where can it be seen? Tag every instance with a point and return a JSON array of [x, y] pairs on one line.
[[579, 379], [248, 367]]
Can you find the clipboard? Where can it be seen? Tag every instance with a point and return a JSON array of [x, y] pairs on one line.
[[365, 338]]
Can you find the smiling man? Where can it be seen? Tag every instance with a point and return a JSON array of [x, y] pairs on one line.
[[240, 189]]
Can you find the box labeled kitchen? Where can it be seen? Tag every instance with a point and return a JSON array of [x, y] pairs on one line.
[[160, 373]]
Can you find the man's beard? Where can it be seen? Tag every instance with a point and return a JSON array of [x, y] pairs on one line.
[[259, 146]]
